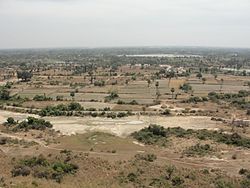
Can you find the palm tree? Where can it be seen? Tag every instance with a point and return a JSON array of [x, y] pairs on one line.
[[204, 80], [157, 89], [199, 75], [172, 91], [157, 85], [126, 82], [170, 76], [221, 83], [72, 94], [149, 82]]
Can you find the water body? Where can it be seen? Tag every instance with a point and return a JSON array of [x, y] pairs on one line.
[[162, 55]]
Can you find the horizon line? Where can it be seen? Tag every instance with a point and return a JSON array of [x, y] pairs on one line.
[[125, 46]]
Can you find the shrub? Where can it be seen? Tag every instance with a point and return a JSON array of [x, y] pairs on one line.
[[3, 141], [42, 168], [10, 122], [100, 83], [122, 114], [111, 96], [132, 177], [120, 102], [20, 171], [176, 181], [186, 87], [61, 109], [166, 112], [133, 102], [42, 98], [4, 94], [245, 183], [32, 123], [155, 133], [198, 149], [150, 135], [146, 157]]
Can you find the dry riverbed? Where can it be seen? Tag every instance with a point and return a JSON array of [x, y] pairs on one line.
[[120, 127]]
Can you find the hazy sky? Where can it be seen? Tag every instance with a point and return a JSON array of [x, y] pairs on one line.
[[98, 23]]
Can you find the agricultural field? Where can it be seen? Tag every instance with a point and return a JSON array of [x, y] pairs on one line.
[[81, 119]]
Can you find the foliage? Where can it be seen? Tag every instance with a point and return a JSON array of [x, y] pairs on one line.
[[100, 83], [42, 168], [4, 94], [112, 95], [146, 157], [24, 75], [199, 150], [166, 112], [60, 109], [154, 133], [150, 135], [29, 123], [42, 98], [186, 87]]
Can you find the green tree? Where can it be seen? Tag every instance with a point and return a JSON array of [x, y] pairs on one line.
[[199, 75], [72, 94], [172, 91], [204, 80], [24, 75]]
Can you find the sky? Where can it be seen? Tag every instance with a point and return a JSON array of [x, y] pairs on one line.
[[111, 23]]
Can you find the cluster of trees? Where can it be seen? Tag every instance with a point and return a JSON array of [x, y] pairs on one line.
[[235, 99], [155, 134], [186, 87], [60, 109], [133, 102], [24, 75], [4, 94], [4, 91], [42, 98], [112, 95], [100, 83], [29, 123]]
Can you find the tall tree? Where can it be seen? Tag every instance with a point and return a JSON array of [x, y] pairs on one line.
[[172, 91]]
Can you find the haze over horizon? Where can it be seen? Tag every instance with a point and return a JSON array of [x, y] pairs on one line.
[[111, 23]]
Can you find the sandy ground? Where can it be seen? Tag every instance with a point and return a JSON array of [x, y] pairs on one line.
[[120, 127]]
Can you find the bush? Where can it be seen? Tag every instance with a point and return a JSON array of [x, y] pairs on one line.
[[120, 102], [146, 157], [155, 133], [248, 112], [200, 150], [61, 109], [10, 122], [100, 83], [32, 123], [3, 141], [113, 95], [4, 94], [132, 177], [122, 114], [186, 87], [166, 112], [176, 181], [42, 168], [151, 134], [133, 102], [42, 98], [20, 171]]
